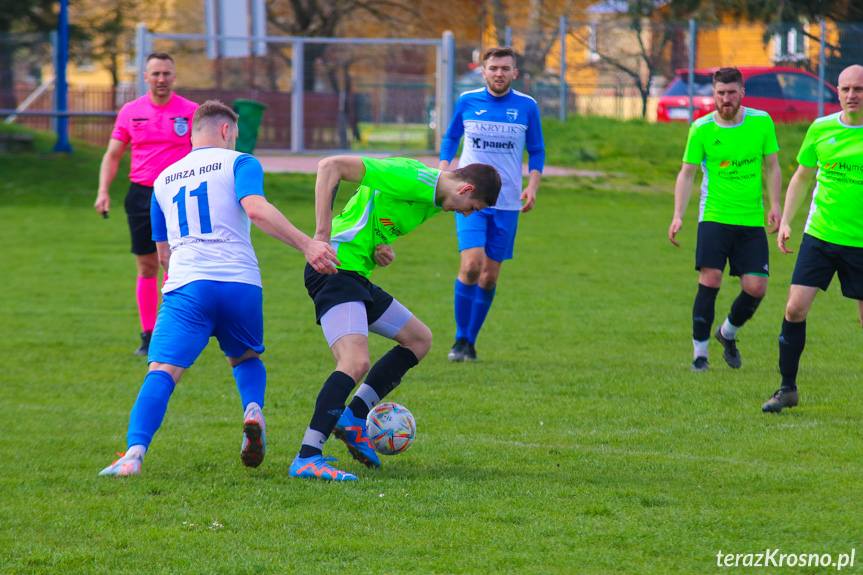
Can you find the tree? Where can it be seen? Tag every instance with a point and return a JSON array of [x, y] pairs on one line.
[[540, 20], [109, 29], [327, 19], [18, 16], [847, 14], [637, 42]]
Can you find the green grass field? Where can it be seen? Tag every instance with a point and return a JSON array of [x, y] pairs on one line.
[[580, 443]]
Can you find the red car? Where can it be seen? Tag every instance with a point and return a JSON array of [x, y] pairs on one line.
[[787, 94]]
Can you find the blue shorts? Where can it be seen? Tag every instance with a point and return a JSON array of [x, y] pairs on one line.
[[490, 228], [190, 315]]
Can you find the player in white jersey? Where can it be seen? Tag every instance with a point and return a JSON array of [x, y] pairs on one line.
[[202, 210], [498, 125]]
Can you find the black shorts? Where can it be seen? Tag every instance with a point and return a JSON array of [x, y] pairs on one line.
[[743, 247], [330, 290], [818, 261], [138, 213]]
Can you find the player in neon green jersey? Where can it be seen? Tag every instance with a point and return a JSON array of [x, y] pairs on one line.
[[731, 145], [394, 197], [833, 237]]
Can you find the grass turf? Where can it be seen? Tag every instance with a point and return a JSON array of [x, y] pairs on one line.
[[580, 443]]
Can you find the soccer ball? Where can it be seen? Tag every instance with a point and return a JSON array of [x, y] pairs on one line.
[[391, 428]]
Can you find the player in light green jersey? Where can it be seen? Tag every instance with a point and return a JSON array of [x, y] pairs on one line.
[[833, 237], [731, 145], [395, 196]]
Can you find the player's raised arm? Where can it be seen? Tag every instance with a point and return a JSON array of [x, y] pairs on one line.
[[331, 171], [266, 216], [682, 191]]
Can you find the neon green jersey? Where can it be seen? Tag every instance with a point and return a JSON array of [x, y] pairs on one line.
[[395, 196], [836, 212], [731, 160]]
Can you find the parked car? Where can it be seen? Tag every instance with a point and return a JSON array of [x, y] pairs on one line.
[[787, 94]]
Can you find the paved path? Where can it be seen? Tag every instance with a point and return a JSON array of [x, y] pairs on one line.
[[273, 162]]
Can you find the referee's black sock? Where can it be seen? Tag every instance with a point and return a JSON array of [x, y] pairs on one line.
[[792, 340], [703, 312], [328, 408]]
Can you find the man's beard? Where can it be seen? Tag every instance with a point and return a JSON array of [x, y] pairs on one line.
[[503, 90], [727, 114]]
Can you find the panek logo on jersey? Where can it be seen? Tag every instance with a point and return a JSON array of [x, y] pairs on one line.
[[737, 163], [480, 144]]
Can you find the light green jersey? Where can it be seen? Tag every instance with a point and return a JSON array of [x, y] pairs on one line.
[[731, 160], [395, 196], [836, 212]]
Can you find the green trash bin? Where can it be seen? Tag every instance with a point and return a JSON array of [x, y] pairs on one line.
[[250, 113]]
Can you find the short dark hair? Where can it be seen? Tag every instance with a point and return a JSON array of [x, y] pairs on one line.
[[727, 76], [499, 52], [159, 56], [210, 112], [485, 181]]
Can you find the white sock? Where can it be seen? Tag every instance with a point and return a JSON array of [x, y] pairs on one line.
[[728, 330], [700, 348], [314, 438], [136, 451], [368, 395]]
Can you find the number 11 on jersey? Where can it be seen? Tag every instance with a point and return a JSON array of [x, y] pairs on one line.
[[203, 209]]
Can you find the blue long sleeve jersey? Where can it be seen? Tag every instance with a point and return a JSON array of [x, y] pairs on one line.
[[496, 131]]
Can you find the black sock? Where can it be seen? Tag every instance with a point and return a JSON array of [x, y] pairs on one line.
[[385, 375], [703, 312], [792, 340], [328, 407], [743, 309]]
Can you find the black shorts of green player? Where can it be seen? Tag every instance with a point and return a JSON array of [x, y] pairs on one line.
[[328, 291], [743, 247], [818, 261], [137, 205]]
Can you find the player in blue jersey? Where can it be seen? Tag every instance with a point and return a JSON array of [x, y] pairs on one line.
[[201, 212], [498, 124]]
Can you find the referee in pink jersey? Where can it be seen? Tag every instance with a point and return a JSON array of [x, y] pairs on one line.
[[159, 127]]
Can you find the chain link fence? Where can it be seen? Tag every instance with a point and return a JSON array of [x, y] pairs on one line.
[[384, 97], [622, 67]]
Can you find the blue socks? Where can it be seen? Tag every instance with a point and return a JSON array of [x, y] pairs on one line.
[[251, 376], [150, 407], [481, 305], [471, 308], [464, 296]]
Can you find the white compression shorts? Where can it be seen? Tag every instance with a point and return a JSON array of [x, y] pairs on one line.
[[350, 318]]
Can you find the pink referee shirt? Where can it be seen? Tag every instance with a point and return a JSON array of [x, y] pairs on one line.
[[160, 135]]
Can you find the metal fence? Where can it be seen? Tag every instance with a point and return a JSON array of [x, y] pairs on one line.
[[392, 95], [619, 67]]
